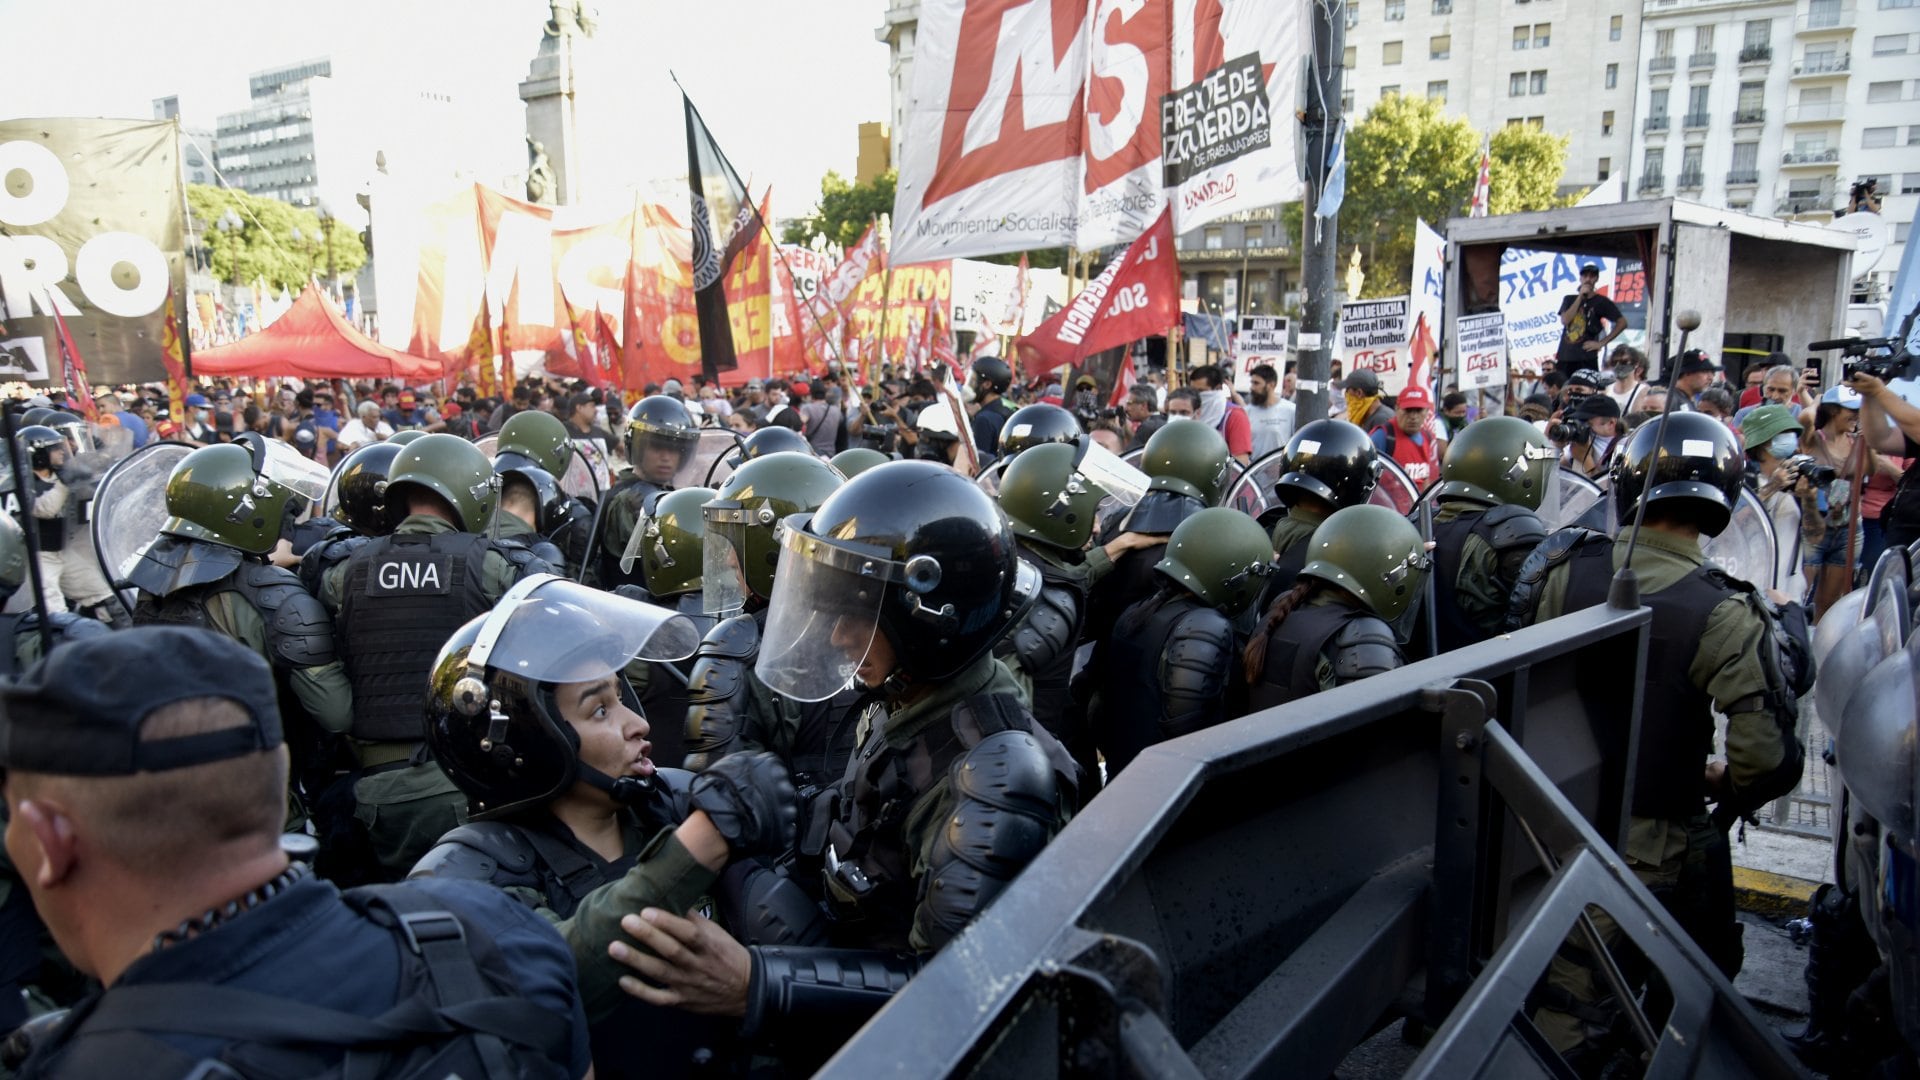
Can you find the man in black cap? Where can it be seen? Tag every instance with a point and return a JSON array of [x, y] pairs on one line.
[[1366, 406], [145, 820], [1588, 322], [1694, 374], [1596, 435]]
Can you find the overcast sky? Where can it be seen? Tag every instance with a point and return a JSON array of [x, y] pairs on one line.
[[783, 84]]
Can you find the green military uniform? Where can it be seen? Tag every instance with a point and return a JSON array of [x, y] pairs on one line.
[[1295, 528], [406, 807], [1477, 588], [1677, 857]]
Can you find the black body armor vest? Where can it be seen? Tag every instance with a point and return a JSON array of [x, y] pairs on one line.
[[405, 595]]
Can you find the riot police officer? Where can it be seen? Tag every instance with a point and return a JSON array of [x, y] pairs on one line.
[[1189, 466], [54, 518], [1050, 506], [671, 542], [1497, 473], [23, 629], [1330, 465], [855, 460], [728, 707], [991, 379], [228, 505], [1717, 643], [1032, 425], [902, 580], [356, 505], [1365, 568], [81, 580], [395, 599], [537, 439], [1167, 668], [531, 504], [660, 446], [529, 714], [769, 440]]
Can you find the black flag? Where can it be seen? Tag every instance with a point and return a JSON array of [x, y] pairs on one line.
[[724, 221]]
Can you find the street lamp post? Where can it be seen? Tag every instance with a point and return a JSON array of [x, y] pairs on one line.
[[326, 230]]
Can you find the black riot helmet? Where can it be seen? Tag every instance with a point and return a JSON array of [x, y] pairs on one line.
[[41, 442], [659, 422], [993, 373], [1688, 460], [909, 550], [549, 500], [359, 496], [1331, 460], [495, 716], [1031, 425], [772, 439], [42, 416]]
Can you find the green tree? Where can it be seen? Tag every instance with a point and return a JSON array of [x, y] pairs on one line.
[[844, 211], [1409, 160], [269, 240]]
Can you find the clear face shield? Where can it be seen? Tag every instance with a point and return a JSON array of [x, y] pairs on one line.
[[283, 465], [724, 591], [551, 630], [1104, 468], [79, 437], [825, 613]]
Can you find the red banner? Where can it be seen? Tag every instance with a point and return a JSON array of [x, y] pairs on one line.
[[1138, 295]]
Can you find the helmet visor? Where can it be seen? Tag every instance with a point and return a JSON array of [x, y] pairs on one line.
[[1746, 548], [724, 583], [824, 616], [552, 630], [79, 436], [303, 476], [1114, 476]]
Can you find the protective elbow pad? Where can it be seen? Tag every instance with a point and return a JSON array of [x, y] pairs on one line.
[[299, 630], [1194, 668], [1049, 632], [717, 690], [1363, 647], [1006, 808]]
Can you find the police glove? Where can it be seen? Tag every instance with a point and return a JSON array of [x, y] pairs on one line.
[[751, 801]]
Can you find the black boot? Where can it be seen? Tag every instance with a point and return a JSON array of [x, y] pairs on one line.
[[1840, 956]]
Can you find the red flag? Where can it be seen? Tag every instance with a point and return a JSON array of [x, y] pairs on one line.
[[173, 356], [73, 368], [1420, 353], [940, 337], [826, 308], [1122, 384], [1136, 296], [480, 352]]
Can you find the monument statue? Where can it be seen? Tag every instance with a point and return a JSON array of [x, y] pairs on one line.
[[570, 16], [540, 181]]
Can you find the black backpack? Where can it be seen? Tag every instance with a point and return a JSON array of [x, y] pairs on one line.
[[455, 1015]]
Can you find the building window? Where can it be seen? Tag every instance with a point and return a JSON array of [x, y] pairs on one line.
[[1215, 238], [1438, 91], [1703, 38], [1913, 135], [1890, 5], [1759, 33], [1656, 165], [1538, 82], [1521, 36], [1613, 76], [1254, 236], [1353, 16], [1440, 47], [1516, 121], [1388, 91], [1517, 84], [1881, 93], [1663, 43], [1746, 157], [1542, 35], [1657, 104], [1390, 53], [1902, 230], [1536, 121], [1349, 58], [1889, 44], [1613, 28], [1823, 14], [1910, 183], [1396, 10], [1809, 146], [1816, 95], [1606, 169], [1696, 103], [1877, 138], [1443, 7], [1606, 122]]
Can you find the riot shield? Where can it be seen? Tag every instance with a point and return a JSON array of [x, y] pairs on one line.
[[1251, 492], [1396, 490], [710, 460], [1746, 548], [130, 505], [589, 472], [488, 444], [1581, 502], [989, 478]]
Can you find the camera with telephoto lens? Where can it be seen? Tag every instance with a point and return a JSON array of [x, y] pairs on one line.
[[1884, 358], [1570, 431], [876, 435], [1803, 465]]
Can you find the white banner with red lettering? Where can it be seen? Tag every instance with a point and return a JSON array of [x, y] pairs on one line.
[[1047, 123], [1373, 334], [1138, 295], [1480, 343]]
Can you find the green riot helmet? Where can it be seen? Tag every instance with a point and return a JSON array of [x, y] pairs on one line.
[[1373, 553], [773, 439], [1333, 461], [45, 448], [660, 438], [1222, 556], [1031, 425], [1189, 458], [672, 541], [858, 459], [13, 557], [1047, 500], [450, 467], [1499, 461], [216, 495], [1695, 463], [538, 436], [741, 518], [405, 436], [910, 552], [497, 710], [359, 498]]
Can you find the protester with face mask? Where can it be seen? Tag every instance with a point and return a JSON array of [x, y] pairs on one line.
[[194, 428], [1453, 413], [1771, 438], [1629, 378], [1218, 409]]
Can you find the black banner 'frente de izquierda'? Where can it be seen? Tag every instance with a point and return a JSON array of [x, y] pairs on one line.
[[90, 221]]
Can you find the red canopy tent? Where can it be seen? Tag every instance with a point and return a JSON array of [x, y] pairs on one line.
[[313, 341]]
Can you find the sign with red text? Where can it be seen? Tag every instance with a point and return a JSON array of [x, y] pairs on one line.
[[1373, 335], [1138, 295], [1480, 343]]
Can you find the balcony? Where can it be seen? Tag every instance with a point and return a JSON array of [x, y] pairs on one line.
[[1809, 158], [1696, 120], [1690, 180], [1652, 182], [1756, 54], [1660, 63], [1655, 124], [1794, 205], [1822, 66], [1824, 113], [1743, 177], [1702, 60], [1826, 21], [1744, 117]]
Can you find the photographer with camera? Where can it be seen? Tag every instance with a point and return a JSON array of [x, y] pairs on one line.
[[1588, 434], [1830, 462], [1864, 196], [1787, 482]]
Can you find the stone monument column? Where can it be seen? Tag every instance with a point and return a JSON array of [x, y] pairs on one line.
[[554, 169]]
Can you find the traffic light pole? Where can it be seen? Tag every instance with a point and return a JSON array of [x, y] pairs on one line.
[[1319, 123]]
